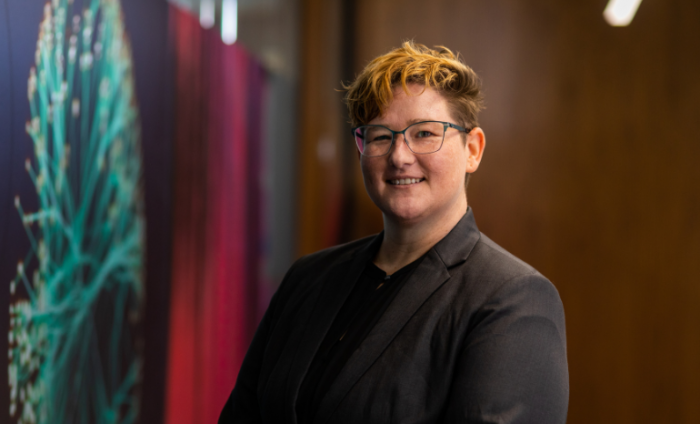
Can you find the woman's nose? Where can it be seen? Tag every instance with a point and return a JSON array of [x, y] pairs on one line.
[[400, 153]]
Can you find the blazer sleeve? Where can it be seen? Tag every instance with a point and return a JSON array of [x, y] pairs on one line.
[[242, 406], [512, 368]]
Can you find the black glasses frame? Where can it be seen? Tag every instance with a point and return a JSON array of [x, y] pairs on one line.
[[395, 133]]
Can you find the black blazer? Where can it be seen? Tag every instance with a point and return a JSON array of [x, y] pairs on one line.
[[474, 336]]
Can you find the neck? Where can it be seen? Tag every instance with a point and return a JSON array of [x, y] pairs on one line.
[[404, 243]]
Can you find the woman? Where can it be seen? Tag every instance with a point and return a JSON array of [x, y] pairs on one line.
[[429, 321]]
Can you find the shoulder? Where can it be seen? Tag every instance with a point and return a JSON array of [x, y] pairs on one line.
[[323, 260], [329, 256], [308, 269], [498, 280], [496, 262]]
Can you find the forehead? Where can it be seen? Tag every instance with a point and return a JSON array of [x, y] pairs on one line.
[[422, 104]]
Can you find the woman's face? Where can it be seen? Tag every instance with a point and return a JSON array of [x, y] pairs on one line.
[[438, 187]]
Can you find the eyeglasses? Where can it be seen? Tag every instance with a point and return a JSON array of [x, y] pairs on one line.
[[421, 138]]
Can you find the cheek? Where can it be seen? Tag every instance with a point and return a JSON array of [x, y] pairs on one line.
[[446, 166], [449, 169], [370, 172]]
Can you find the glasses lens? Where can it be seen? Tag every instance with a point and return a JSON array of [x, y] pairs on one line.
[[425, 137], [373, 140]]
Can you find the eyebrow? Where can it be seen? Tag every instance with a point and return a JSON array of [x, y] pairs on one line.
[[410, 122]]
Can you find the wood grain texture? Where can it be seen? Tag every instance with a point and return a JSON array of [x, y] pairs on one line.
[[590, 174], [320, 179]]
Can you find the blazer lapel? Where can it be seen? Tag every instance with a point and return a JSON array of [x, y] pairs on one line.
[[428, 277], [336, 288]]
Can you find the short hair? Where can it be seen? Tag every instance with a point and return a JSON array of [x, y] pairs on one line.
[[370, 94]]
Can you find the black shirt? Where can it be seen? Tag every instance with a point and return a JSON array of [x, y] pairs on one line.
[[368, 300]]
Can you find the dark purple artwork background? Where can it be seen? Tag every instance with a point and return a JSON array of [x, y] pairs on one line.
[[147, 27]]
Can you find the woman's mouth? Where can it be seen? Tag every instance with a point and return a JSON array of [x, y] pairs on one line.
[[405, 181]]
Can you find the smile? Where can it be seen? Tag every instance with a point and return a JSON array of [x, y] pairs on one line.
[[406, 181]]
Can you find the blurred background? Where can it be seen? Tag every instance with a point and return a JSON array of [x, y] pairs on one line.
[[221, 146]]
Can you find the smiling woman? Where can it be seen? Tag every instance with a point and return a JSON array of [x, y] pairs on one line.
[[434, 203], [428, 321]]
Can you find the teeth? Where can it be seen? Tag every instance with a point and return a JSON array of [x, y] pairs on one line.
[[404, 181]]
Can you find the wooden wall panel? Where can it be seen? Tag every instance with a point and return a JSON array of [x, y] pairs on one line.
[[590, 174], [584, 174], [320, 166]]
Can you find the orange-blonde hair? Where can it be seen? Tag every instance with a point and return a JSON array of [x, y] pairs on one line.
[[370, 94]]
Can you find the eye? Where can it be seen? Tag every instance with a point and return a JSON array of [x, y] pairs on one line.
[[377, 135], [382, 137], [423, 134]]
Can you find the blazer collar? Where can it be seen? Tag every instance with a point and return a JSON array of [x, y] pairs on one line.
[[455, 247], [430, 275]]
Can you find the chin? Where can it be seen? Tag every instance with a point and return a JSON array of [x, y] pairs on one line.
[[405, 214]]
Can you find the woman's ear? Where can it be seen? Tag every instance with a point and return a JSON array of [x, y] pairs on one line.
[[476, 142]]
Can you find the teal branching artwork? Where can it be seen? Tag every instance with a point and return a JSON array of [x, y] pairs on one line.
[[75, 349]]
